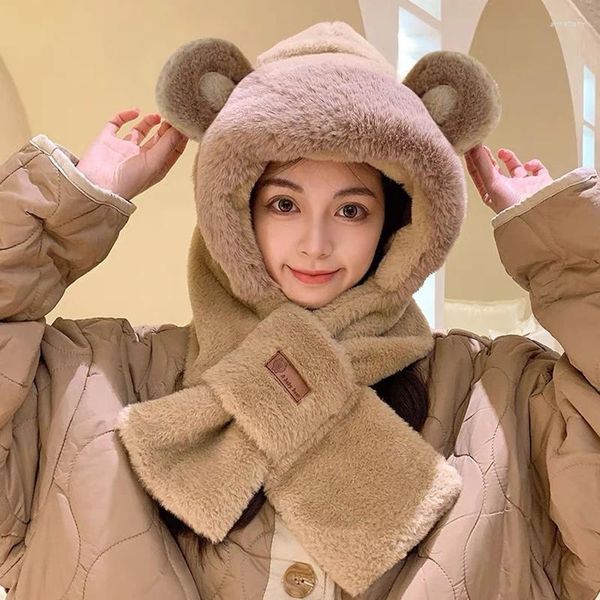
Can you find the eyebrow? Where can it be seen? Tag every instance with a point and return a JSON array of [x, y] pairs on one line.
[[351, 191]]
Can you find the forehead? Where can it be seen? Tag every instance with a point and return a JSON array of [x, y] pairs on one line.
[[306, 167]]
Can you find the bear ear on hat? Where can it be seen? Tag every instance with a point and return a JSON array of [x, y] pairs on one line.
[[460, 95], [196, 81]]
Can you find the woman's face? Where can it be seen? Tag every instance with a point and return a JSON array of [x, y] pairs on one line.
[[318, 215]]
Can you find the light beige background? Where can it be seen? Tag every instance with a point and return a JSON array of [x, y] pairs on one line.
[[534, 50], [74, 64], [66, 67]]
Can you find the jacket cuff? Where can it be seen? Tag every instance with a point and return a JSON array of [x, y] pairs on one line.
[[362, 498], [66, 163], [572, 177], [287, 382], [557, 228]]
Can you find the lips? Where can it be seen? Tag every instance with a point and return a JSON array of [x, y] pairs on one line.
[[308, 278], [313, 272]]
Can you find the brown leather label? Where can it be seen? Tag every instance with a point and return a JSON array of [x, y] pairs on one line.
[[286, 374]]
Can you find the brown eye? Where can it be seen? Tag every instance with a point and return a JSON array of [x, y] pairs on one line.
[[277, 202], [353, 213], [277, 206]]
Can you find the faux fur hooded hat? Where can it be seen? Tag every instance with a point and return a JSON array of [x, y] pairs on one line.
[[274, 395], [323, 93]]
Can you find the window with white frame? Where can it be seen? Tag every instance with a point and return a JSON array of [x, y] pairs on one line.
[[416, 37], [588, 138], [433, 7], [419, 32]]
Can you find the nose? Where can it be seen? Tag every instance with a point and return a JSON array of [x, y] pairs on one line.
[[316, 240]]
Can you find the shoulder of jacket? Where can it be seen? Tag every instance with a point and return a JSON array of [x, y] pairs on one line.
[[153, 355], [86, 332], [469, 337], [521, 351], [466, 338]]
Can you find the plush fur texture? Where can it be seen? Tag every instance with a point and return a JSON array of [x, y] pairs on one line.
[[459, 93], [203, 451], [191, 458], [216, 67]]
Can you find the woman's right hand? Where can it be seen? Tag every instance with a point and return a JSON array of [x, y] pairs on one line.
[[500, 191], [125, 167]]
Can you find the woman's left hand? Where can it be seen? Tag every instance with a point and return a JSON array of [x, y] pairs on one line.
[[500, 191], [124, 165]]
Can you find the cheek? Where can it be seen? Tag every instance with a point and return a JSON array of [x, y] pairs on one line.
[[359, 254], [361, 248], [271, 240]]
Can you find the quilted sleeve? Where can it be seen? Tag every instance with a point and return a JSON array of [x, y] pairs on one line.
[[19, 430], [550, 245], [565, 442], [55, 225]]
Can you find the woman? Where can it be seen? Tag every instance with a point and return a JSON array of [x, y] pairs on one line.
[[280, 438]]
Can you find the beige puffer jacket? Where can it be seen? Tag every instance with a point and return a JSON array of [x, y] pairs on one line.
[[519, 422]]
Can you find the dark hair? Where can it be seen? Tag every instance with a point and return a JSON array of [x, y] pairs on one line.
[[405, 392]]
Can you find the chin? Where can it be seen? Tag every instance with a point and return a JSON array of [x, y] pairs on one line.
[[293, 297]]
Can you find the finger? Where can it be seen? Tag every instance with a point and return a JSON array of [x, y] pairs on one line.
[[473, 167], [485, 164], [493, 161], [483, 193], [536, 167], [171, 158], [167, 150], [475, 176], [120, 119], [164, 127], [513, 164], [140, 131]]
